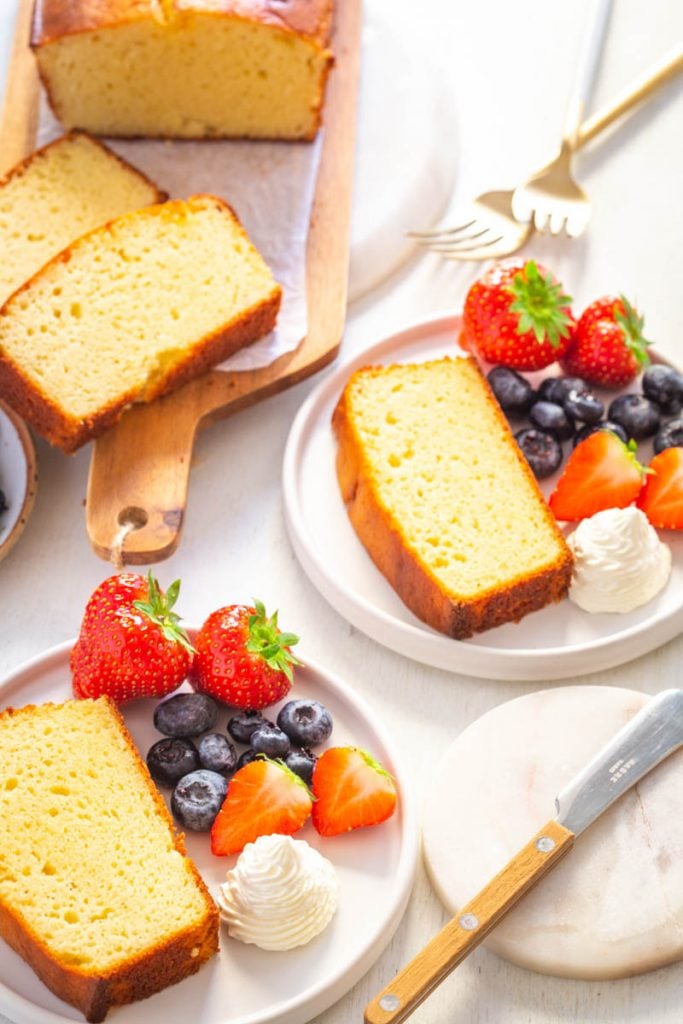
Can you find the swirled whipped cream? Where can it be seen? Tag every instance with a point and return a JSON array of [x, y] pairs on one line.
[[280, 894], [619, 561]]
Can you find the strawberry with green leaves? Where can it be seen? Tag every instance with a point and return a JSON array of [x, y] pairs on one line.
[[131, 643], [263, 798], [517, 315], [242, 657], [661, 498], [351, 790], [602, 472], [609, 348]]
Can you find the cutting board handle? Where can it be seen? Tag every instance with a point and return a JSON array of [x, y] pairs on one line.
[[461, 935]]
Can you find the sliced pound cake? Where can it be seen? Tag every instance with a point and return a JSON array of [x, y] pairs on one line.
[[96, 892], [442, 498], [57, 194], [129, 312], [185, 68]]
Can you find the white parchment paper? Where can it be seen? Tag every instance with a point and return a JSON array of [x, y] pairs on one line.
[[270, 185]]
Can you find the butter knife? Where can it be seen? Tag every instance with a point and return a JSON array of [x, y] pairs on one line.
[[651, 735]]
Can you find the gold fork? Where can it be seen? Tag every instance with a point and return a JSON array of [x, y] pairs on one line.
[[489, 230]]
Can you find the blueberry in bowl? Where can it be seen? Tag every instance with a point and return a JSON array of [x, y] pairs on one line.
[[513, 392], [186, 714], [271, 741], [308, 723], [541, 450], [242, 725], [197, 799], [171, 758], [217, 753], [552, 419], [669, 436], [591, 428], [583, 406], [638, 416], [664, 386]]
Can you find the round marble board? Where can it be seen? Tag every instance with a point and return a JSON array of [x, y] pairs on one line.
[[244, 984], [614, 906], [558, 641]]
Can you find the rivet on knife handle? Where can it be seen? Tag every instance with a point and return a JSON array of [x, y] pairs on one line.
[[475, 920]]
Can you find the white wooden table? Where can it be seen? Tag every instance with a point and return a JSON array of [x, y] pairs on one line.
[[509, 67]]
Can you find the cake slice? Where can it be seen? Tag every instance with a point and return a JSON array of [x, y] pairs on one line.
[[442, 498], [185, 68], [68, 187], [131, 311], [96, 892]]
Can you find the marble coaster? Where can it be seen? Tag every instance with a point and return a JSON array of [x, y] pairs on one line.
[[614, 906]]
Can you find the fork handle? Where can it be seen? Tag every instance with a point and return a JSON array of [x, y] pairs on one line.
[[460, 936], [643, 88], [591, 51]]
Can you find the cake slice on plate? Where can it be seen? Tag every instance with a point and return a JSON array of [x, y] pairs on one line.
[[442, 498]]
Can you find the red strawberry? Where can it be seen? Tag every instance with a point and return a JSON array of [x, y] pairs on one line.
[[602, 472], [351, 790], [517, 315], [130, 644], [661, 498], [242, 658], [263, 797], [609, 348]]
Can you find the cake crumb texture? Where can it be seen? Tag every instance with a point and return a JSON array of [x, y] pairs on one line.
[[442, 498], [130, 311], [95, 890], [68, 187], [185, 68]]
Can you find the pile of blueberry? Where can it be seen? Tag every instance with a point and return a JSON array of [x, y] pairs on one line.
[[197, 762], [565, 408]]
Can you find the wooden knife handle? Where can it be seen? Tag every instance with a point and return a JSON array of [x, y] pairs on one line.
[[460, 936]]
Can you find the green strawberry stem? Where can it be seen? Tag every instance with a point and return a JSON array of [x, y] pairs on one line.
[[632, 453], [292, 776], [158, 609], [541, 305], [266, 639], [632, 326]]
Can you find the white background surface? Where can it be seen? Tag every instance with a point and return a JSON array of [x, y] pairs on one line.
[[509, 67]]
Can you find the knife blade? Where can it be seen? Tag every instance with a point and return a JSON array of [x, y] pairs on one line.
[[654, 733]]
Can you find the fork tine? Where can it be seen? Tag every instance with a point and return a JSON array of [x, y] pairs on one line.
[[557, 222], [439, 245], [540, 220], [454, 251], [440, 232]]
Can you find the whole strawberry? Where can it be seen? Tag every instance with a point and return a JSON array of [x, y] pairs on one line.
[[517, 315], [609, 348], [130, 644], [242, 658]]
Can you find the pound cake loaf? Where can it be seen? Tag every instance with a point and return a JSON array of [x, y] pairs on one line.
[[442, 498], [129, 312], [96, 893], [68, 187], [185, 68]]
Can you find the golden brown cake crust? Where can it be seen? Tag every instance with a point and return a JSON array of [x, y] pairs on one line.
[[411, 579], [33, 404], [163, 965]]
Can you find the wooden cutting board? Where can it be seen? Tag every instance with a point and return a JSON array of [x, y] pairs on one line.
[[139, 471]]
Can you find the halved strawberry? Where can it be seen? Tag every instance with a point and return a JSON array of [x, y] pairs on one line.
[[602, 472], [661, 498], [351, 790], [263, 797]]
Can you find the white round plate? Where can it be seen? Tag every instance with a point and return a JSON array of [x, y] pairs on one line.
[[557, 642], [243, 984], [17, 477]]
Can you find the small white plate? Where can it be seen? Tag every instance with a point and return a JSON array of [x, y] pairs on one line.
[[18, 478], [557, 642], [243, 984]]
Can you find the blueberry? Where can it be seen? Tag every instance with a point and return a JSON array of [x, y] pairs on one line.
[[197, 799], [542, 451], [307, 722], [591, 428], [271, 741], [246, 758], [186, 714], [556, 389], [217, 753], [670, 436], [515, 394], [664, 385], [583, 406], [302, 763], [636, 414], [552, 419], [169, 759], [243, 724]]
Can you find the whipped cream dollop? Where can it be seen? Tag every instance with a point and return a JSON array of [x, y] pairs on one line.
[[280, 894], [619, 561]]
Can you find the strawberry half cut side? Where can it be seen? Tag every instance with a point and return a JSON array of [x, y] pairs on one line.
[[661, 498], [602, 472]]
